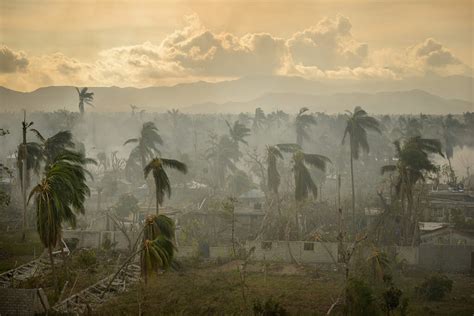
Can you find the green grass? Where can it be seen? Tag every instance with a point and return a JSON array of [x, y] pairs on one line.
[[14, 252], [217, 291]]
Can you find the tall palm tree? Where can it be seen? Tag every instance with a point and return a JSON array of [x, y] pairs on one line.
[[58, 197], [302, 122], [147, 145], [85, 97], [238, 132], [162, 182], [413, 162], [451, 134], [358, 122], [304, 183]]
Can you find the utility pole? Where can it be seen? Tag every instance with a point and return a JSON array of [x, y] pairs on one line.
[[338, 191], [24, 169]]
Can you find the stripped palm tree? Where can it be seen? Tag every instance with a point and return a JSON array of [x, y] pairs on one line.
[[85, 97], [162, 182], [302, 123], [58, 197], [358, 122]]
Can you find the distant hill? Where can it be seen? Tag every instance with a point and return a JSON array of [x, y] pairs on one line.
[[427, 95], [407, 102]]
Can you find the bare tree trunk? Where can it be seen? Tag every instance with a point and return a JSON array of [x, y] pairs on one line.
[[157, 204], [233, 230], [451, 171], [353, 191], [24, 168], [53, 270]]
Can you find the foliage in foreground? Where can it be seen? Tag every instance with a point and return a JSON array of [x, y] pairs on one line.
[[435, 287]]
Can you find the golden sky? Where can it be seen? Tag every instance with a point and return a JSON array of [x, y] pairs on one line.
[[142, 43]]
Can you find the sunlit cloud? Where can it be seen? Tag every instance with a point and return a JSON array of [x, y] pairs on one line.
[[328, 50]]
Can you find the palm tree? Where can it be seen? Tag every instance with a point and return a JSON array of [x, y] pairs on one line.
[[162, 182], [58, 197], [157, 249], [413, 162], [85, 97], [258, 119], [450, 134], [357, 125], [278, 117], [223, 154], [147, 145], [304, 183], [238, 132], [302, 122], [54, 145], [133, 108], [274, 153], [273, 176]]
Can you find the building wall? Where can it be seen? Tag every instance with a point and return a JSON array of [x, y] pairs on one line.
[[446, 257], [95, 239], [304, 252], [409, 254], [447, 238]]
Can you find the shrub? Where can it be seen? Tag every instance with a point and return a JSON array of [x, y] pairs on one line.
[[391, 298], [126, 204], [435, 287], [86, 258], [360, 299], [268, 308]]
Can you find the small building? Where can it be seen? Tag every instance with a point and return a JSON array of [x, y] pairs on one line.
[[444, 205], [253, 198], [446, 235], [23, 301]]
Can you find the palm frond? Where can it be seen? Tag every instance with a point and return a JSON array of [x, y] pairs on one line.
[[318, 161], [289, 148]]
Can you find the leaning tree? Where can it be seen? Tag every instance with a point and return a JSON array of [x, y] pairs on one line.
[[85, 97], [357, 125], [162, 183], [58, 197]]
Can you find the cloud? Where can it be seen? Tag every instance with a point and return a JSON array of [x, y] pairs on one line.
[[429, 56], [11, 61], [327, 50], [329, 45], [434, 54], [202, 52]]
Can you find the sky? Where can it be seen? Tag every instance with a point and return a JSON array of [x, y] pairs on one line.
[[148, 43]]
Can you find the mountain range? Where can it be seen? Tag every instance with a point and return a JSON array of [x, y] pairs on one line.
[[434, 95]]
